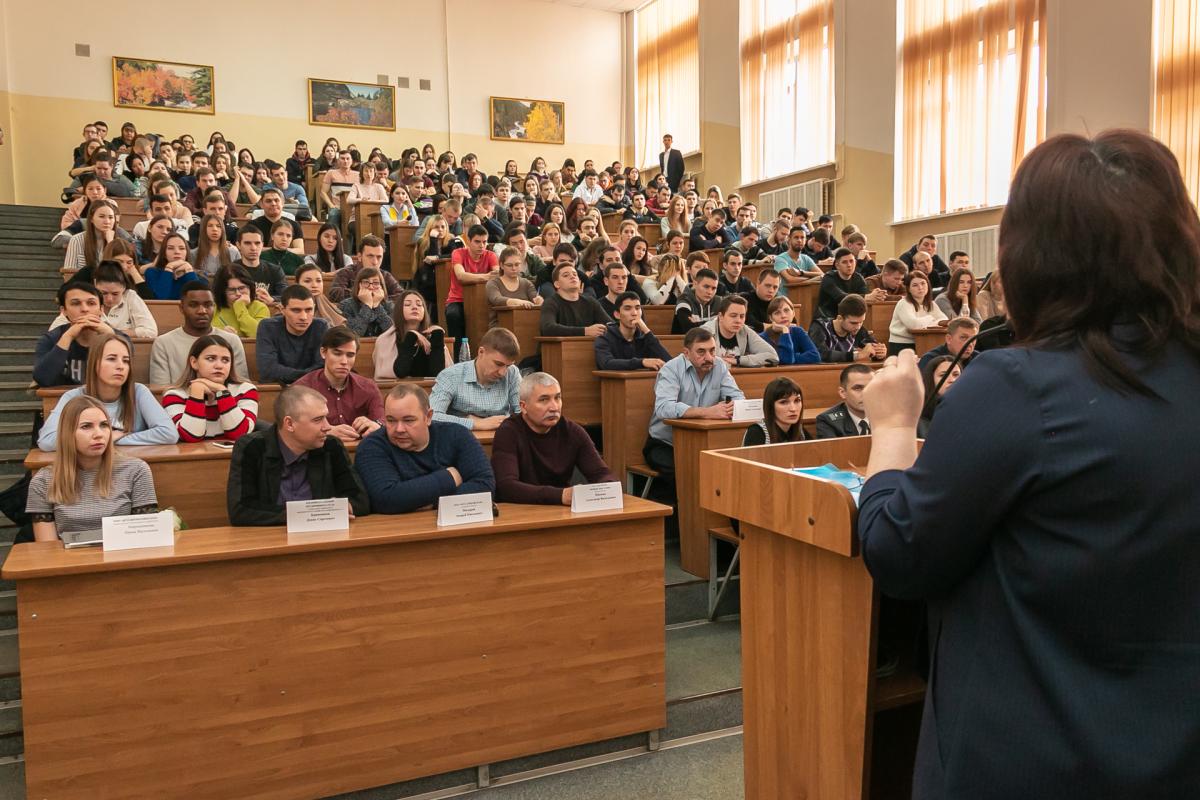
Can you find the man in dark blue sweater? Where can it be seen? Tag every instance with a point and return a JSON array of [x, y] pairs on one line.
[[289, 346], [412, 461]]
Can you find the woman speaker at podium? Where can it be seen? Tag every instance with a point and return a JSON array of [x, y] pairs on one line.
[[1052, 520]]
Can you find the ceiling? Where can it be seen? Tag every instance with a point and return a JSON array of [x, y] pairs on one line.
[[601, 5]]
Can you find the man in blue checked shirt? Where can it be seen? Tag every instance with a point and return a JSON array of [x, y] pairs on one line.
[[694, 385], [483, 392]]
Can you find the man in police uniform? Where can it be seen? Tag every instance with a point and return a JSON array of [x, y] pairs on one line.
[[849, 417]]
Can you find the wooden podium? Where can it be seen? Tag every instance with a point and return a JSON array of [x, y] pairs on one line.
[[809, 621]]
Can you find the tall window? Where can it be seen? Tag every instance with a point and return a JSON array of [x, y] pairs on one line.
[[970, 100], [667, 33], [1176, 83], [786, 86]]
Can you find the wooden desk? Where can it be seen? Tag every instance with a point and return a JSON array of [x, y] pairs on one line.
[[572, 359], [476, 311], [659, 319], [803, 293], [612, 222], [928, 339], [191, 477], [714, 257], [651, 232], [441, 275], [525, 323], [879, 318], [310, 228], [402, 250], [166, 313], [243, 663]]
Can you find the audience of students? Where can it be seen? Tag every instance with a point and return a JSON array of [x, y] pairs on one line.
[[295, 459], [841, 281], [849, 417], [210, 401], [939, 272], [135, 414], [310, 277], [783, 412], [123, 309], [88, 480], [353, 402], [288, 346], [628, 343], [416, 459], [569, 312], [914, 313]]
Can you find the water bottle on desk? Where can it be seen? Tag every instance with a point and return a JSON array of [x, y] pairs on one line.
[[464, 350]]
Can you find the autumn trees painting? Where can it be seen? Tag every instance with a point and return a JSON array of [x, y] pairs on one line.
[[528, 120], [162, 85]]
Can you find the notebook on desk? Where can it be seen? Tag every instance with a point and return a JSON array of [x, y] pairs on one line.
[[88, 538]]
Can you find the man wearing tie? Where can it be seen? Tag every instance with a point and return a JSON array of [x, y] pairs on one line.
[[849, 417], [671, 163]]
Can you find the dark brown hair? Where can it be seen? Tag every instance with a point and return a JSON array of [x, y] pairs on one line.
[[1133, 256], [779, 389]]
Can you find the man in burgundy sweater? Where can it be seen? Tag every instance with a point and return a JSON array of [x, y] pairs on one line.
[[535, 453]]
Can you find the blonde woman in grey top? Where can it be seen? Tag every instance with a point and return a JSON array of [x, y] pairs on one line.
[[88, 480]]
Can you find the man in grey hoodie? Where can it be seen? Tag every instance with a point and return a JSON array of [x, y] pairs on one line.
[[736, 344]]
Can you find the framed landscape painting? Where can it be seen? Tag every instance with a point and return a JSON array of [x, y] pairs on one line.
[[351, 105], [162, 85], [540, 121]]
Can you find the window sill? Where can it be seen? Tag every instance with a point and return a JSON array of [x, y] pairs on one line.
[[787, 175], [949, 214]]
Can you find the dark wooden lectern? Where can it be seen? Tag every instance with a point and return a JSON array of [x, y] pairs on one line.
[[809, 620]]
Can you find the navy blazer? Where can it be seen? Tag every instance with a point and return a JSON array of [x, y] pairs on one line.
[[1053, 525]]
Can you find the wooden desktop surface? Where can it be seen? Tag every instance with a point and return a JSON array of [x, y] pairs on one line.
[[245, 663]]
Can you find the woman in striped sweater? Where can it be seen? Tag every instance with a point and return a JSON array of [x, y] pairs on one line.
[[210, 402]]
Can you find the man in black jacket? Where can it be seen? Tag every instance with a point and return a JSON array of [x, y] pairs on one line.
[[940, 276], [670, 162], [849, 417], [294, 460], [760, 299], [628, 343]]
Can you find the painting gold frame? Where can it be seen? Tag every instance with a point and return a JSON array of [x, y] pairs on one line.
[[313, 121], [211, 109], [492, 120]]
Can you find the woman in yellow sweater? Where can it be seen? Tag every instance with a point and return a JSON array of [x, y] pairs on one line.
[[237, 310]]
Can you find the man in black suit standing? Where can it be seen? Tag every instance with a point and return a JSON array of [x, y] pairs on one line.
[[670, 161]]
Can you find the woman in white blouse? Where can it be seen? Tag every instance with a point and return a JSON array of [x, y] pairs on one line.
[[913, 313]]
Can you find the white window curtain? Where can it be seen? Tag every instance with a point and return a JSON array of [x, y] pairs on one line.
[[1177, 84], [787, 101], [667, 67], [970, 100]]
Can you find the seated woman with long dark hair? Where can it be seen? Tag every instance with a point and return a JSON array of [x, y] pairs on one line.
[[211, 401], [88, 480], [783, 409], [931, 375], [413, 347]]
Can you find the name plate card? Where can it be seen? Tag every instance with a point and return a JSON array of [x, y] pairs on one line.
[[133, 531], [311, 516], [464, 509], [597, 497], [748, 410]]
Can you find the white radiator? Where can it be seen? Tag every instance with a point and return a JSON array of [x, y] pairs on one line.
[[809, 194], [979, 243]]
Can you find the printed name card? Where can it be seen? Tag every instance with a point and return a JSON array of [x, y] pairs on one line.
[[748, 410], [464, 509], [139, 530], [310, 516], [597, 497]]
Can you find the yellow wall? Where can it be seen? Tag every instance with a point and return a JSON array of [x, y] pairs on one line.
[[261, 90]]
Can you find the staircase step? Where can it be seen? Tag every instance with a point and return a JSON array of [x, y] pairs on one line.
[[10, 664], [14, 389], [14, 436], [19, 411], [12, 462], [17, 356], [8, 341]]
